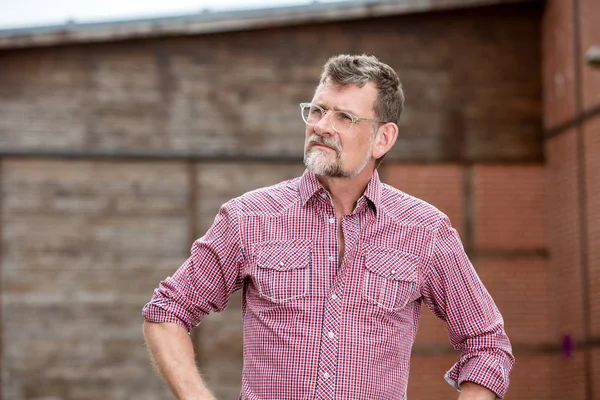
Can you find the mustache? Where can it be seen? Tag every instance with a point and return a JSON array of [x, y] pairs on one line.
[[326, 141]]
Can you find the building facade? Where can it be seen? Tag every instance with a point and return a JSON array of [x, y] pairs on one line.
[[119, 142]]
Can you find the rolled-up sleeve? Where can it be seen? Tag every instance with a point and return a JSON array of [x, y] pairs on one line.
[[453, 291], [206, 280]]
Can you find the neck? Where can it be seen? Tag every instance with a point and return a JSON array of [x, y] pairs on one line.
[[345, 192]]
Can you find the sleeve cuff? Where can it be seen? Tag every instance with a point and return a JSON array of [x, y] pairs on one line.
[[489, 371], [153, 312]]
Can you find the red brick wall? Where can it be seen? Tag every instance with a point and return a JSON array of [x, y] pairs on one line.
[[509, 209], [596, 370], [558, 63], [439, 184], [500, 211], [589, 11], [565, 234], [591, 140], [513, 282], [572, 148]]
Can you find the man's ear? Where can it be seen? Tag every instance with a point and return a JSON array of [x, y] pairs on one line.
[[384, 139]]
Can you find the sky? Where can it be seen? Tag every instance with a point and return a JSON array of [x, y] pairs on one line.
[[28, 13]]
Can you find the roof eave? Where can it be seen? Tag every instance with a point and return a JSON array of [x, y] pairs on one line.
[[208, 22]]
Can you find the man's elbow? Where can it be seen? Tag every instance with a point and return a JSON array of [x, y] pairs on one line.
[[152, 329], [473, 391]]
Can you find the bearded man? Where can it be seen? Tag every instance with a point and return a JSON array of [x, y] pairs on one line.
[[334, 266]]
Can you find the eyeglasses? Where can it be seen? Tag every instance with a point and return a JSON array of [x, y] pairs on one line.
[[341, 121]]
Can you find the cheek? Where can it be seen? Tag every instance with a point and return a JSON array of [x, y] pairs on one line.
[[355, 150], [308, 132], [353, 146]]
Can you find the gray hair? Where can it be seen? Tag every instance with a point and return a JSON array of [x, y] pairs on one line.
[[345, 69]]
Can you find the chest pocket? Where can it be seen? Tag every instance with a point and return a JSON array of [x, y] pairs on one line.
[[390, 278], [282, 270]]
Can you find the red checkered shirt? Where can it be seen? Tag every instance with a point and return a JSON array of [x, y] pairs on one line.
[[315, 328]]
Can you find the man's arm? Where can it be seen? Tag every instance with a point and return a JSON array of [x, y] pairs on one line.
[[204, 283], [473, 391], [453, 291], [173, 355]]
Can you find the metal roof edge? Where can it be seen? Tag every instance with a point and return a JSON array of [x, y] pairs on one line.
[[225, 21]]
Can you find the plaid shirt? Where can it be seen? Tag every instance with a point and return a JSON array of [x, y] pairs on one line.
[[318, 328]]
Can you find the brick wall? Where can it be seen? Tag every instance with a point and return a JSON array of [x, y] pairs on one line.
[[83, 245], [499, 210], [591, 142], [471, 94], [85, 240], [572, 106]]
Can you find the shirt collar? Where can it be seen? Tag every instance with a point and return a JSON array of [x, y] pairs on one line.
[[310, 185]]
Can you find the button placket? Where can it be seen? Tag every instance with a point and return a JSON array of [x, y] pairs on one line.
[[328, 362]]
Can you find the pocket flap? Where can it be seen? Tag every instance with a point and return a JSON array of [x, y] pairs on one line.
[[283, 255], [391, 264]]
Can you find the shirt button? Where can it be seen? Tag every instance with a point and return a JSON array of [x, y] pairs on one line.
[[393, 271], [324, 195], [331, 335], [325, 375], [282, 264], [332, 220], [331, 258], [334, 296]]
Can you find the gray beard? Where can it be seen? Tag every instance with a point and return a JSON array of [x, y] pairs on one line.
[[318, 164]]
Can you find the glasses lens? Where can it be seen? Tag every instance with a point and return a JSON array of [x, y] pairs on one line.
[[341, 121], [311, 114]]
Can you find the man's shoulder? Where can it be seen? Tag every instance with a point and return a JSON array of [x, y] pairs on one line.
[[406, 209], [269, 199]]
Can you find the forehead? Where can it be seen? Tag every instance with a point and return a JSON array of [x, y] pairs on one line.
[[352, 98]]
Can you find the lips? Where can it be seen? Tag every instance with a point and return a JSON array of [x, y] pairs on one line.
[[322, 145], [320, 142]]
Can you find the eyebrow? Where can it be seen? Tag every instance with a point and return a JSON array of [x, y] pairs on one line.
[[322, 105]]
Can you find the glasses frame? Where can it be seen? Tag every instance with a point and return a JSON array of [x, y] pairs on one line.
[[354, 118]]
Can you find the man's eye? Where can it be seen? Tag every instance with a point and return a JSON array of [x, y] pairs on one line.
[[316, 111], [346, 117]]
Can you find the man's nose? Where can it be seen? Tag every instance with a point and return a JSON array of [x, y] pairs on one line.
[[324, 127]]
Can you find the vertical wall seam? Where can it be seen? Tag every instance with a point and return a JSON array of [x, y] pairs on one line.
[[192, 236], [468, 211], [583, 248]]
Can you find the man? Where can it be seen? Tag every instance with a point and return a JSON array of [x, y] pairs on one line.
[[334, 266]]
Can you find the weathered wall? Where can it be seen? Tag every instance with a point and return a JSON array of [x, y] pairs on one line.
[[84, 241], [83, 244], [572, 150], [468, 76]]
